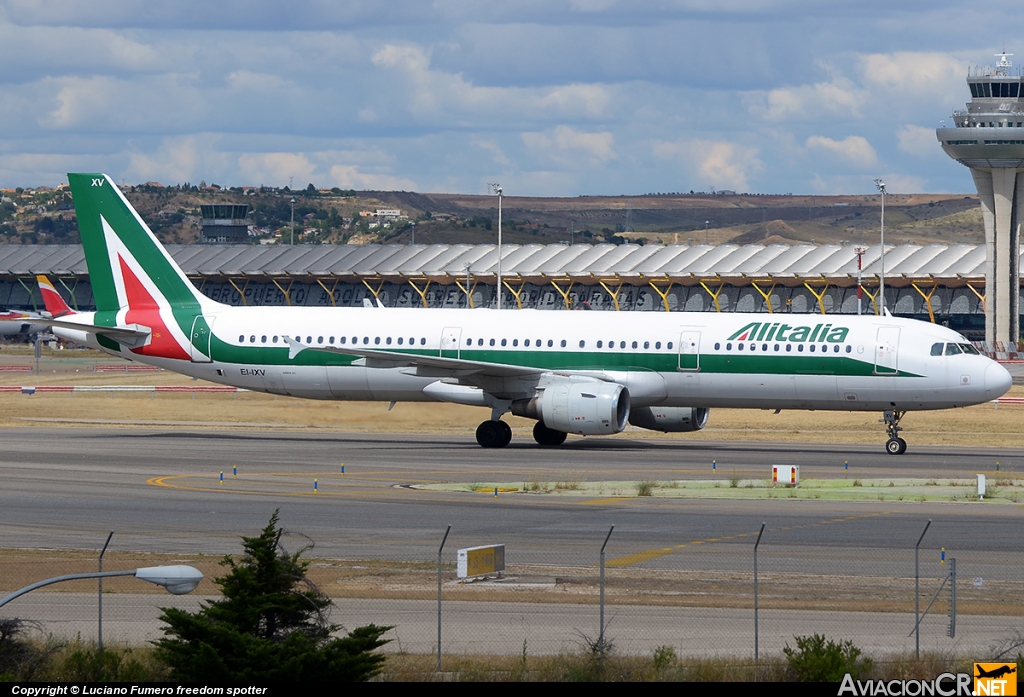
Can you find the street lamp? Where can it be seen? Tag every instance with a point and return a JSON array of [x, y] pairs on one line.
[[293, 220], [497, 189], [178, 580], [880, 307], [706, 223]]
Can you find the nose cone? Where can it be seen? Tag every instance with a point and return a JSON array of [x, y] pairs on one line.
[[997, 381]]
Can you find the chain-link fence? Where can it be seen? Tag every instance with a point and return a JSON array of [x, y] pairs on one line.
[[837, 577]]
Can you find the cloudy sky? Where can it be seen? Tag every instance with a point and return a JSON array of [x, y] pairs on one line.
[[547, 97]]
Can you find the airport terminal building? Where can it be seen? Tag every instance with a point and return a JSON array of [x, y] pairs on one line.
[[939, 283]]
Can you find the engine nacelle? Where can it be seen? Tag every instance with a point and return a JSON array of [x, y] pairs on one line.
[[585, 407], [670, 419]]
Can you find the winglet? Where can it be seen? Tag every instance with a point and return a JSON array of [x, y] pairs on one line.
[[55, 304]]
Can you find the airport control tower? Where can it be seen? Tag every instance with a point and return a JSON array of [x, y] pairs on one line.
[[989, 138]]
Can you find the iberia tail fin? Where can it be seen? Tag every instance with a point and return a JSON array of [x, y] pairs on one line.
[[55, 304]]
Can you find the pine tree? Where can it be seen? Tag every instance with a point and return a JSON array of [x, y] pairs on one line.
[[271, 626]]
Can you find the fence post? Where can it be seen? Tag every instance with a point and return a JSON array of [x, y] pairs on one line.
[[439, 550], [99, 614], [917, 592], [952, 597], [600, 634], [757, 647]]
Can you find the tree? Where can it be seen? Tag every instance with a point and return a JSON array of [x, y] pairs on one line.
[[271, 626]]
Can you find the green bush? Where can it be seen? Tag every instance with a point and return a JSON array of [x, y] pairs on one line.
[[817, 659], [271, 626]]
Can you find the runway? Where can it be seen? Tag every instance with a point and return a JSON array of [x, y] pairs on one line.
[[160, 490], [679, 570]]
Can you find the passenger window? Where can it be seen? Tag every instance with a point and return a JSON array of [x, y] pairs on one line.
[[728, 347], [274, 339], [789, 348], [634, 344], [622, 344], [366, 339], [241, 339], [647, 345], [479, 342], [503, 342], [423, 341], [552, 343], [849, 348], [319, 340], [835, 349], [764, 347], [388, 341], [776, 348], [252, 339], [526, 343], [582, 343], [345, 339], [599, 344], [657, 344], [669, 346], [717, 346], [492, 342], [937, 349], [330, 341], [563, 343], [800, 348], [515, 342], [739, 347]]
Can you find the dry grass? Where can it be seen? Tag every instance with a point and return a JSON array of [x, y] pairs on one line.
[[983, 425]]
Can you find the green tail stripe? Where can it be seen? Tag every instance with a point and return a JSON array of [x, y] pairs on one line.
[[94, 201]]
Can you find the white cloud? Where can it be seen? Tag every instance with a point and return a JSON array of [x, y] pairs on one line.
[[918, 140], [721, 164], [809, 102], [566, 145], [277, 168], [351, 177], [255, 82], [904, 184], [178, 159], [492, 147], [938, 73], [427, 91], [855, 150]]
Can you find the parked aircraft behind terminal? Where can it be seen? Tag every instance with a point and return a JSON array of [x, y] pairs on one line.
[[15, 323], [587, 373]]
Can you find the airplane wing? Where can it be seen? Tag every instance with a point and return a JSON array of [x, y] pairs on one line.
[[426, 366]]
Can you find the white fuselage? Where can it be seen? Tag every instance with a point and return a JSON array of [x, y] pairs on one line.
[[667, 359]]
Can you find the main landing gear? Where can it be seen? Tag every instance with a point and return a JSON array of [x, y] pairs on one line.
[[493, 434], [895, 445], [547, 436]]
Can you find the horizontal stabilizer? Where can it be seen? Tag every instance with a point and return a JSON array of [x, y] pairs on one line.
[[130, 335]]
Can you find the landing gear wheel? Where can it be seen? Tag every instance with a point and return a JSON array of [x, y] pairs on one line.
[[895, 445], [506, 434], [493, 434], [547, 436]]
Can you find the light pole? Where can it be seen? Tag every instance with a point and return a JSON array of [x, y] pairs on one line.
[[497, 189], [293, 220], [178, 580], [706, 223], [880, 306], [413, 231]]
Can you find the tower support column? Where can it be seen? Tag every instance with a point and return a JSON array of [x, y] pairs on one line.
[[1002, 196]]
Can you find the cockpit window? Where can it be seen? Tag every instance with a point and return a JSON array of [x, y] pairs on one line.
[[953, 350], [937, 349], [967, 348]]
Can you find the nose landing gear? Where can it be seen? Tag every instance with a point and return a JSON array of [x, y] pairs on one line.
[[895, 445]]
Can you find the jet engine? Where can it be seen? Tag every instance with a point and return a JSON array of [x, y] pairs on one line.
[[586, 407], [670, 419]]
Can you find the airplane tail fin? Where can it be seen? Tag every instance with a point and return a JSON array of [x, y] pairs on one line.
[[128, 267], [55, 304]]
